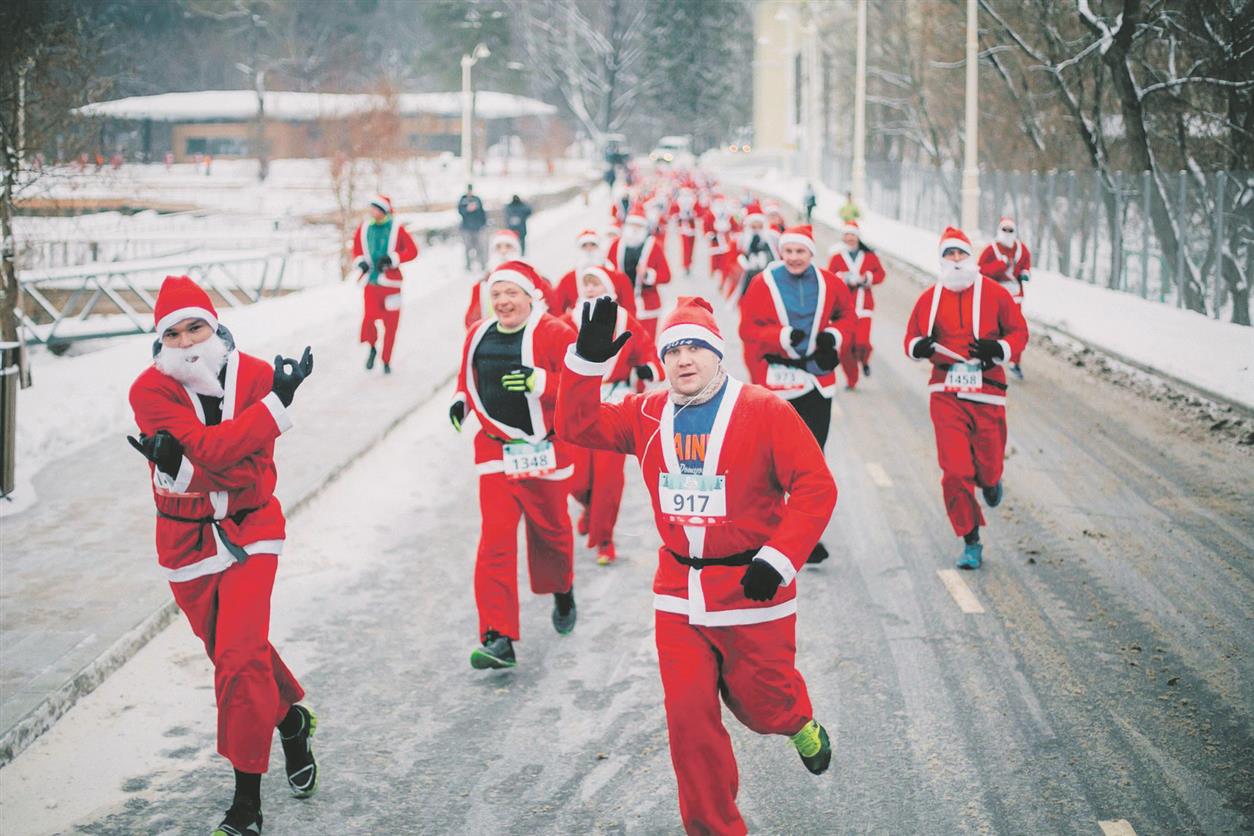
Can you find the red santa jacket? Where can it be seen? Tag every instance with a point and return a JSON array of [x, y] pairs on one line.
[[544, 343], [720, 231], [566, 294], [859, 277], [764, 329], [227, 473], [651, 271], [686, 220], [401, 248], [779, 491], [480, 306], [1006, 266], [639, 351], [954, 320]]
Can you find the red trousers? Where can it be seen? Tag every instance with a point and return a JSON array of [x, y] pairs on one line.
[[753, 666], [649, 323], [230, 613], [383, 304], [687, 242], [541, 504], [971, 448], [857, 351], [598, 486]]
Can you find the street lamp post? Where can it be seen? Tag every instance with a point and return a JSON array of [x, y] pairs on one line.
[[970, 166], [469, 61], [859, 111], [813, 103]]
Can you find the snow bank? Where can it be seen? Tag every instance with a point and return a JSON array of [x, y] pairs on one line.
[[1214, 357]]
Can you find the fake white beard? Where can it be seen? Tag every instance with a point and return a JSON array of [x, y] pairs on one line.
[[1006, 239], [686, 201], [633, 235], [196, 367], [588, 258], [958, 275]]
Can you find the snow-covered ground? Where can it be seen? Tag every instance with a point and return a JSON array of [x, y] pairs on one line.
[[1214, 357]]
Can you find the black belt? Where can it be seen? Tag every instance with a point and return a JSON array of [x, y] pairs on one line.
[[739, 559], [500, 440], [237, 518]]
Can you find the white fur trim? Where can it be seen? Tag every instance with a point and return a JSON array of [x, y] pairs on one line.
[[839, 337], [691, 331], [175, 317], [794, 238], [278, 411], [1005, 353], [586, 368], [777, 561], [211, 565], [956, 243], [517, 278], [181, 480], [910, 349]]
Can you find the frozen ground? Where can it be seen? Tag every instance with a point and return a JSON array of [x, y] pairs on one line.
[[1106, 675]]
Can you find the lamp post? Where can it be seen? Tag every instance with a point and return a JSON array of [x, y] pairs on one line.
[[970, 166], [859, 110], [469, 61], [813, 103]]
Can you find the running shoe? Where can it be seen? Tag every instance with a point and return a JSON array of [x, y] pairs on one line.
[[243, 819], [606, 554], [972, 556], [992, 496], [497, 651], [564, 612], [814, 747], [299, 763]]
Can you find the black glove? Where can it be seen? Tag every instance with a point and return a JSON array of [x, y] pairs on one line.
[[825, 340], [363, 265], [761, 581], [924, 348], [825, 355], [1023, 277], [457, 414], [385, 263], [162, 449], [285, 381], [777, 360], [644, 372], [596, 342], [987, 351], [796, 337]]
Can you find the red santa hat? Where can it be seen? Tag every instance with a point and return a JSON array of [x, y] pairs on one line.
[[1005, 220], [507, 235], [691, 323], [520, 273], [181, 298], [607, 285], [587, 236], [803, 235], [955, 238], [382, 202], [636, 216], [852, 228], [753, 212]]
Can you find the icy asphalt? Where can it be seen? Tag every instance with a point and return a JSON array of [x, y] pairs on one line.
[[1107, 678]]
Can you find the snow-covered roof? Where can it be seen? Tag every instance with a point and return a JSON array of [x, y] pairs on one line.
[[232, 105]]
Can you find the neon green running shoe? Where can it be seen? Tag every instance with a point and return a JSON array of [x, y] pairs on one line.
[[814, 747]]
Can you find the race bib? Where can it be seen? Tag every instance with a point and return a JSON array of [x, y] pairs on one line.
[[690, 499], [615, 392], [964, 377], [786, 377], [529, 461]]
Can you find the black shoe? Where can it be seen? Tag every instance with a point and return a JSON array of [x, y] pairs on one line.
[[1016, 371], [497, 652], [818, 555], [564, 612], [992, 496], [812, 734], [301, 768], [387, 369], [243, 819], [866, 369], [370, 358]]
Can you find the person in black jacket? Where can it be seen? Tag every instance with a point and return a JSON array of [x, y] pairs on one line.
[[516, 214], [474, 219]]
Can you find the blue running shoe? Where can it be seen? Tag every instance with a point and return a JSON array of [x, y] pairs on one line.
[[992, 496], [972, 556], [1016, 371]]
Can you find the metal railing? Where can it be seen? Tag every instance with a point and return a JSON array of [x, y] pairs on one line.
[[1079, 225], [116, 298]]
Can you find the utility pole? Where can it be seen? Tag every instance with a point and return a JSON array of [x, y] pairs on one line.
[[468, 102], [859, 111], [970, 165]]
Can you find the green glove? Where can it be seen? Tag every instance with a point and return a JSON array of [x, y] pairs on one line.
[[519, 380]]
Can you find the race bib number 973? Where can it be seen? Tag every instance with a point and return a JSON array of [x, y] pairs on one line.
[[689, 499], [529, 461], [786, 377]]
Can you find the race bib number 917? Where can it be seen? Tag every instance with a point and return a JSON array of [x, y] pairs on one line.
[[529, 461], [689, 499], [964, 377]]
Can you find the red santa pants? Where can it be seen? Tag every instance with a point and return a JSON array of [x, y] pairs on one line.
[[382, 304], [753, 667], [687, 242], [857, 351], [971, 447], [648, 320], [598, 486], [541, 503], [230, 613]]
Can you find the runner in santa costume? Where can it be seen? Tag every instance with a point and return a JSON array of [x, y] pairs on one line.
[[720, 232], [1008, 262], [684, 211], [566, 294], [208, 416], [757, 247], [857, 265], [503, 246], [741, 494], [638, 255], [510, 366], [598, 481], [380, 246], [969, 327]]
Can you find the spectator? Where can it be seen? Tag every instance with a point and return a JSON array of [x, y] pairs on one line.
[[516, 214], [850, 211], [474, 219]]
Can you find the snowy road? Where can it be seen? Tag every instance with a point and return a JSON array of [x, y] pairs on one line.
[[1096, 670]]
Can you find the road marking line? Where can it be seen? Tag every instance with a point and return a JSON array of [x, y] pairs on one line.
[[1119, 827], [878, 475], [960, 592]]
